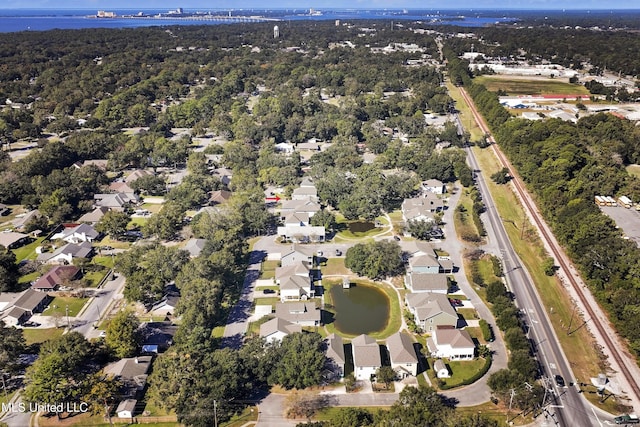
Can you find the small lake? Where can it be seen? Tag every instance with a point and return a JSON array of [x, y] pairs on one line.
[[362, 309], [361, 226]]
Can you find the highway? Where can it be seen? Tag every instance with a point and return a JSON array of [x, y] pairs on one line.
[[564, 405]]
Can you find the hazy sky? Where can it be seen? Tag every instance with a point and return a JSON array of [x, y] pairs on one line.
[[361, 4]]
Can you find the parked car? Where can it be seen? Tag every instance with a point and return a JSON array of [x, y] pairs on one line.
[[338, 252], [559, 380], [396, 238], [455, 302]]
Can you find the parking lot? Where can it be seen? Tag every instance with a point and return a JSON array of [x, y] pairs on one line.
[[628, 220]]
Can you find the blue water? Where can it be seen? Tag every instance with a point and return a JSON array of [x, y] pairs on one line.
[[14, 20]]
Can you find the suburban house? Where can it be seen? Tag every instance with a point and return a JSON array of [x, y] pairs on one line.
[[166, 305], [402, 355], [76, 233], [12, 239], [276, 329], [219, 196], [300, 268], [431, 310], [158, 334], [424, 264], [302, 313], [21, 220], [301, 233], [295, 255], [94, 216], [19, 310], [223, 174], [300, 206], [115, 201], [366, 357], [425, 282], [335, 355], [419, 212], [121, 187], [296, 288], [441, 369], [66, 253], [137, 174], [297, 218], [310, 145], [307, 182], [284, 147], [194, 247], [454, 344], [421, 208], [433, 186], [58, 276], [305, 193], [132, 372]]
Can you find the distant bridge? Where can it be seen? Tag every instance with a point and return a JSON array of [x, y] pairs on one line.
[[203, 18]]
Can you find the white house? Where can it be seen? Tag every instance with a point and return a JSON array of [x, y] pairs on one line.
[[296, 288], [77, 234], [66, 253], [433, 186], [402, 355], [366, 357], [454, 344], [276, 329]]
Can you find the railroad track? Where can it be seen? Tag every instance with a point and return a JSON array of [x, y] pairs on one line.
[[559, 255]]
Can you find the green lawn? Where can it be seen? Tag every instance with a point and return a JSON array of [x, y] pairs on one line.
[[266, 301], [59, 306], [514, 86], [105, 261], [33, 336], [335, 266], [93, 278], [268, 269], [28, 278], [28, 251], [462, 370]]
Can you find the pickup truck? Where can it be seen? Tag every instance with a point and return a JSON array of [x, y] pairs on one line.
[[626, 419]]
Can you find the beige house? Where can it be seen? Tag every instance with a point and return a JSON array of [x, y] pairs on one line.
[[301, 313], [335, 354], [427, 282], [402, 355]]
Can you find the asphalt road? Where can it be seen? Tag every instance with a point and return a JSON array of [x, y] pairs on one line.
[[565, 406]]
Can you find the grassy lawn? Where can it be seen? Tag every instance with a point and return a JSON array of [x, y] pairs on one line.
[[246, 416], [28, 278], [254, 327], [461, 370], [105, 261], [395, 311], [108, 241], [468, 313], [327, 414], [266, 301], [93, 278], [33, 336], [28, 251], [268, 269], [494, 412], [137, 222], [586, 361], [462, 217], [346, 234], [335, 267], [60, 304], [217, 332], [515, 86]]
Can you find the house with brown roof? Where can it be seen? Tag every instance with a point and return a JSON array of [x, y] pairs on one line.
[[57, 276], [303, 313], [137, 174], [366, 357], [219, 196], [453, 344], [277, 328], [431, 310], [402, 355]]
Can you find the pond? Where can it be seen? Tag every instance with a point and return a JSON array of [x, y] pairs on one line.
[[361, 226], [361, 309]]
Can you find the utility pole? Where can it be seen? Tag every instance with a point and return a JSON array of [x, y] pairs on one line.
[[66, 310], [215, 413], [513, 393]]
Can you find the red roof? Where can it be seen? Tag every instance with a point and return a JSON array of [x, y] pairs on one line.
[[55, 277]]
